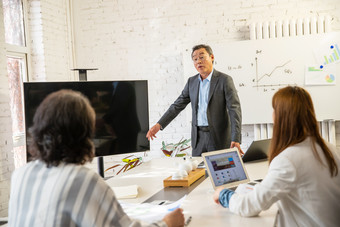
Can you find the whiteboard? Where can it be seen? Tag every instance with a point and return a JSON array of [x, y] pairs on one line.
[[260, 67]]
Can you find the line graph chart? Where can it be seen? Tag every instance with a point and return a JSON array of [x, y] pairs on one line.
[[274, 71], [268, 74]]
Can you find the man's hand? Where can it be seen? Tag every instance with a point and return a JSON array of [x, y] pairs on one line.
[[152, 132], [236, 144]]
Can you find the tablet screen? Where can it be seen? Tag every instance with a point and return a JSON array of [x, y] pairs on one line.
[[225, 168]]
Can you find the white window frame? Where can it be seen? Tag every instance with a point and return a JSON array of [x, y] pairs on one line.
[[23, 52]]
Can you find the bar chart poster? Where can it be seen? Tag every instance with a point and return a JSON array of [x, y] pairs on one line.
[[327, 54], [314, 75]]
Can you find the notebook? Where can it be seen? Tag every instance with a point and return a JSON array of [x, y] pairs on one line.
[[225, 168], [258, 150], [126, 192]]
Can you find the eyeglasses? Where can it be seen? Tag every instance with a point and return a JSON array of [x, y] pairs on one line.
[[202, 57]]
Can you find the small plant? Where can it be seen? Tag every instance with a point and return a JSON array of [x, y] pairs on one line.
[[129, 164], [176, 149]]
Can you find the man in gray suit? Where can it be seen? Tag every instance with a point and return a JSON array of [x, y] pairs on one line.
[[216, 110]]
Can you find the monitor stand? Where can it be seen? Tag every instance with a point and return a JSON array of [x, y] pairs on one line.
[[83, 77], [100, 162]]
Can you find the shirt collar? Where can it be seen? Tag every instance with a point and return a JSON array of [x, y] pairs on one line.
[[208, 78]]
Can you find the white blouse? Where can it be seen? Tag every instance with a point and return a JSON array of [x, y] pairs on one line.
[[303, 188]]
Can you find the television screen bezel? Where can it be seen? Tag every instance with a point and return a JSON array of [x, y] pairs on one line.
[[147, 148]]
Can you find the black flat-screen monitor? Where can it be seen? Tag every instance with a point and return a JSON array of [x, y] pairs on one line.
[[122, 116]]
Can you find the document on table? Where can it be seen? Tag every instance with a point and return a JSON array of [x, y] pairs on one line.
[[148, 212], [126, 192]]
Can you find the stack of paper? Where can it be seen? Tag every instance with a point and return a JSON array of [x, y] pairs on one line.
[[149, 213], [126, 192]]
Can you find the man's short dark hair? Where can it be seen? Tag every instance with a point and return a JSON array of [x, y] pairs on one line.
[[206, 47], [62, 130]]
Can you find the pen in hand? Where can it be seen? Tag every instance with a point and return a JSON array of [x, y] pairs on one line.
[[187, 222]]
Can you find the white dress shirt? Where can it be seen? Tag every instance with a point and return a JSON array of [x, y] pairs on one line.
[[203, 96]]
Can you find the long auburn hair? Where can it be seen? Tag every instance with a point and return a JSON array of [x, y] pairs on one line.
[[294, 121]]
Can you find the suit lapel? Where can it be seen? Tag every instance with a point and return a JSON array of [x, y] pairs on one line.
[[196, 85], [213, 82]]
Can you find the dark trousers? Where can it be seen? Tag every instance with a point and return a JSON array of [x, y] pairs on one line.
[[205, 142]]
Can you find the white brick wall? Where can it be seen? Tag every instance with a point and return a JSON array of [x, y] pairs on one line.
[[38, 71], [49, 34], [6, 154]]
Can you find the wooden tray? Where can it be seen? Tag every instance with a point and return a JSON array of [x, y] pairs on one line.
[[185, 182]]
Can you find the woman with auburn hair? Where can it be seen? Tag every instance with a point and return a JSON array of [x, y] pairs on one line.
[[303, 176], [56, 189]]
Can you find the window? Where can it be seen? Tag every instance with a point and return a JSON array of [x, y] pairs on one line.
[[17, 53], [14, 22]]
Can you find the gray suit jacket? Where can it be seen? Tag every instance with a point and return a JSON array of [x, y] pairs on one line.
[[223, 111]]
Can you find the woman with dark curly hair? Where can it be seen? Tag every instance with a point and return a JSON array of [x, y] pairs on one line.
[[303, 176], [55, 189]]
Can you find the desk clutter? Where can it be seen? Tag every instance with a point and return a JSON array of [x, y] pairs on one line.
[[186, 175], [193, 176]]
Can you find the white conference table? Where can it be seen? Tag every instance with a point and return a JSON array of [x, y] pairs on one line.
[[198, 203]]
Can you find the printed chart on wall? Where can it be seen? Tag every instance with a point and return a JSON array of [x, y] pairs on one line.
[[260, 67]]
